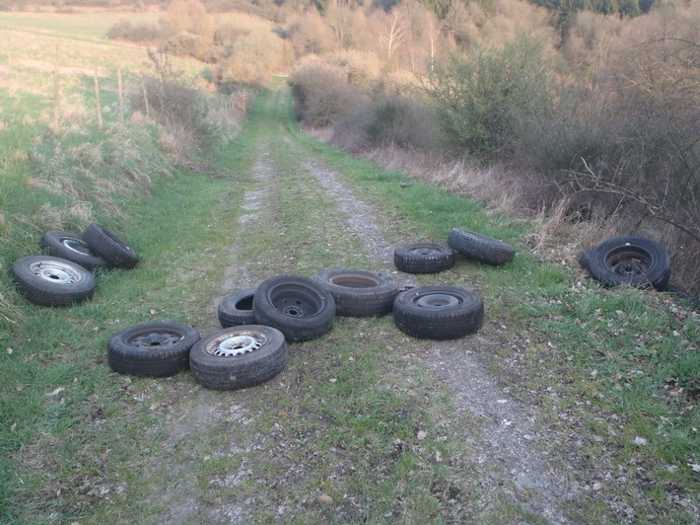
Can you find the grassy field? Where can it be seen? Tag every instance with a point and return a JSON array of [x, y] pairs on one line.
[[366, 425]]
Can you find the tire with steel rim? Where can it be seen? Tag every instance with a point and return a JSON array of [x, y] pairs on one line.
[[632, 261], [154, 349], [111, 248], [53, 281], [298, 307], [239, 357], [438, 312], [70, 246], [480, 247], [236, 308], [358, 293], [424, 257]]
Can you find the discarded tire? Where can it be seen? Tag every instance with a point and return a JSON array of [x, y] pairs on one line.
[[239, 357], [237, 308], [53, 281], [299, 307], [438, 312], [424, 257], [111, 248], [154, 348], [480, 247], [633, 261], [70, 246], [358, 293]]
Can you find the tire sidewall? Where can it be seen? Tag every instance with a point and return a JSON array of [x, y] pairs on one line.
[[294, 329], [110, 247], [47, 293], [360, 302], [53, 243], [659, 269], [229, 315]]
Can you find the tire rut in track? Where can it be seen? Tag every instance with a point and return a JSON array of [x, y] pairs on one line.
[[202, 411], [508, 449]]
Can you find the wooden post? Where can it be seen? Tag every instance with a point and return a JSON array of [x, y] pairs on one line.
[[56, 101], [120, 91], [145, 97], [98, 102], [56, 117]]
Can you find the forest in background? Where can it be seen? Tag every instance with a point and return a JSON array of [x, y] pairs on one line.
[[586, 113]]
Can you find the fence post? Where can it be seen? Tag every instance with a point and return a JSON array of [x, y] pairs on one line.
[[145, 97], [56, 117], [98, 102], [120, 91]]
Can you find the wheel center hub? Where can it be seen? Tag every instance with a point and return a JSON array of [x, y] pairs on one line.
[[293, 310], [237, 345], [437, 301], [55, 272]]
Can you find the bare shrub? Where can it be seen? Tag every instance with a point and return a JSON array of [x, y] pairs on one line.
[[391, 120], [323, 94], [498, 23], [309, 33], [253, 59], [136, 31]]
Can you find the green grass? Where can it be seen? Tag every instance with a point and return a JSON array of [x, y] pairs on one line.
[[603, 352], [72, 25], [343, 419]]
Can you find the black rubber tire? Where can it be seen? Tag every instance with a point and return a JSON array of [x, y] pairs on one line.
[[424, 257], [311, 319], [442, 321], [480, 247], [46, 292], [628, 260], [237, 308], [126, 356], [72, 247], [359, 293], [111, 248], [240, 371]]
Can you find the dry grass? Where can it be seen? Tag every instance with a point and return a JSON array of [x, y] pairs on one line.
[[557, 235]]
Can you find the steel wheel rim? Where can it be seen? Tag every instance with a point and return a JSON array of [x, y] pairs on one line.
[[234, 345], [155, 339], [56, 272], [296, 301], [437, 300], [76, 245], [629, 261]]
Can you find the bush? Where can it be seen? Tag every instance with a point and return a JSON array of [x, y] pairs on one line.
[[323, 95], [483, 98], [135, 32], [391, 120], [252, 59]]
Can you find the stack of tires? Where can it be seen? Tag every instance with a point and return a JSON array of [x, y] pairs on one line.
[[66, 275]]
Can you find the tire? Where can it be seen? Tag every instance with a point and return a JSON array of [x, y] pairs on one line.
[[239, 357], [237, 308], [110, 247], [424, 257], [438, 312], [52, 281], [480, 247], [359, 293], [70, 246], [299, 307], [632, 261], [152, 349]]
